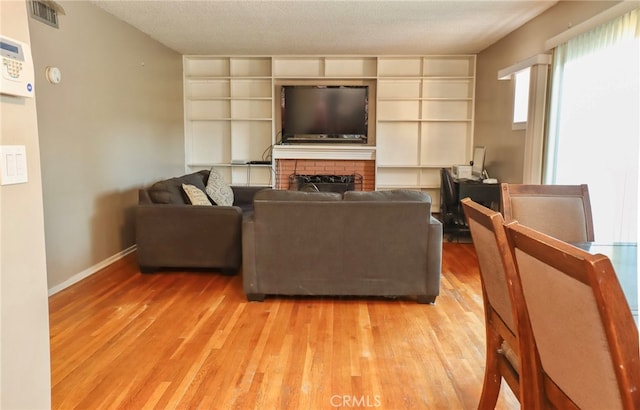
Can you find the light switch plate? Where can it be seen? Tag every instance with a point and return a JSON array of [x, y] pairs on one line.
[[13, 160]]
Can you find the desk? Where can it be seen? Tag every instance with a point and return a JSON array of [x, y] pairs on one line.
[[486, 194], [452, 191]]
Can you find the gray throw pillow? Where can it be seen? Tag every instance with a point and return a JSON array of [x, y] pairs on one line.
[[218, 189]]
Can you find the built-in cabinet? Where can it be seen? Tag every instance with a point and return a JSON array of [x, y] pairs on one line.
[[423, 117]]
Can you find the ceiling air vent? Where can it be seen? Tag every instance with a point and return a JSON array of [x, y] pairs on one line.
[[45, 11]]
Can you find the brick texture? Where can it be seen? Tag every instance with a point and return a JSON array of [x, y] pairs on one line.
[[288, 167]]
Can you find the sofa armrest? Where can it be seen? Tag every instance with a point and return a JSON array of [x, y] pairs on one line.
[[188, 235], [434, 256], [243, 195]]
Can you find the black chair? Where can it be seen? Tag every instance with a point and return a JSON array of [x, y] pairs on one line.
[[451, 213]]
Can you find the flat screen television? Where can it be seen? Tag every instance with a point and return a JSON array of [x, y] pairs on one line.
[[334, 114]]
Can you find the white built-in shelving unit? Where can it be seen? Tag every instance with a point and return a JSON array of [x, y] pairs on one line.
[[422, 117], [229, 116], [425, 112]]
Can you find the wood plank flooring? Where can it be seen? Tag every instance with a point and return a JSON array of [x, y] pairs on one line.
[[175, 340]]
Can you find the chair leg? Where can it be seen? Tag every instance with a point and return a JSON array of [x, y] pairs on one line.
[[492, 377]]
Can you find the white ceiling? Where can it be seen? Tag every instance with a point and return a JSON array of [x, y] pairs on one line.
[[325, 27]]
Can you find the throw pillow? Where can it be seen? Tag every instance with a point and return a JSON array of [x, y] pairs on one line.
[[195, 194], [218, 189], [170, 190]]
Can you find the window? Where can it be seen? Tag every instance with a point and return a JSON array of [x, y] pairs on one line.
[[521, 98], [529, 86], [594, 123]]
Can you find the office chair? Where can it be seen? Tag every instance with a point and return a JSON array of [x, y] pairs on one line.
[[451, 212]]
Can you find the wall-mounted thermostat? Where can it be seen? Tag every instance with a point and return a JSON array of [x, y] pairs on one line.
[[53, 74], [17, 76]]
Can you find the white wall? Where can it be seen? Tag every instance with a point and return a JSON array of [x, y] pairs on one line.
[[114, 124], [24, 320]]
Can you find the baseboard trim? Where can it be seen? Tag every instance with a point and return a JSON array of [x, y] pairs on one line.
[[90, 271]]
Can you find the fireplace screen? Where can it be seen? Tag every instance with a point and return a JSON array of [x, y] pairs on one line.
[[325, 183]]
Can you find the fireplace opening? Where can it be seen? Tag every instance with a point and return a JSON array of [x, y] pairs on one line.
[[325, 183]]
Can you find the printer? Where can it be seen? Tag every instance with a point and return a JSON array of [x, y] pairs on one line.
[[461, 171]]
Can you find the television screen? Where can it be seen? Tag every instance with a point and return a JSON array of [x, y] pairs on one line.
[[324, 113]]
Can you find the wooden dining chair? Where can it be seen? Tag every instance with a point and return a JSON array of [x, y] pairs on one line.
[[585, 338], [499, 283], [562, 211]]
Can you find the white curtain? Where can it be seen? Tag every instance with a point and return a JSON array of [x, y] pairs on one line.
[[594, 123]]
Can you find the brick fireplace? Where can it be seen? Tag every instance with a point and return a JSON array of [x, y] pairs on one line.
[[287, 167], [324, 160]]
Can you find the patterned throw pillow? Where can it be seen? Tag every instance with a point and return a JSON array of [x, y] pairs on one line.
[[195, 194], [218, 189]]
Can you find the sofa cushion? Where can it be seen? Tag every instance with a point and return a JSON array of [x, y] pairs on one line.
[[283, 195], [196, 195], [402, 195], [170, 190], [218, 189]]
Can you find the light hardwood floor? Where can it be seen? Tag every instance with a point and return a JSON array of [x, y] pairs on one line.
[[174, 340]]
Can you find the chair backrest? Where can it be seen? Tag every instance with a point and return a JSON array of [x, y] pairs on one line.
[[500, 287], [562, 211], [492, 250], [585, 336]]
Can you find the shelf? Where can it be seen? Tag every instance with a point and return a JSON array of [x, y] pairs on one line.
[[431, 167], [325, 151], [399, 67], [449, 66], [227, 164], [409, 186], [250, 98], [250, 66], [210, 67], [339, 67], [422, 118], [230, 98], [350, 67]]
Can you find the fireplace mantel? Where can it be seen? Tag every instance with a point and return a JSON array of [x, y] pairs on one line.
[[327, 152]]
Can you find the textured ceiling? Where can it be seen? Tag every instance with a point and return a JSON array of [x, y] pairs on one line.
[[325, 27]]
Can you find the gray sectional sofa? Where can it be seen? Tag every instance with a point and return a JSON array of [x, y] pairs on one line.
[[172, 233], [383, 243]]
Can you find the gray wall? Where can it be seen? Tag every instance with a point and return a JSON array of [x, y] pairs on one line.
[[114, 124], [494, 99], [24, 315]]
